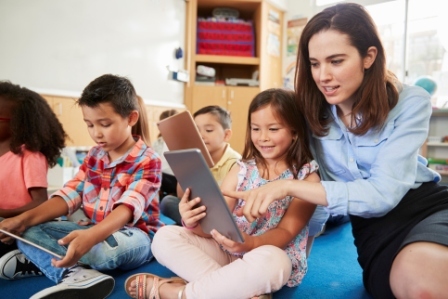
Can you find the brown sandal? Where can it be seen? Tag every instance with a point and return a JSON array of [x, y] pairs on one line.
[[140, 280]]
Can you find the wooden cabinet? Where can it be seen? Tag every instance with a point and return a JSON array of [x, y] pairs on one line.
[[235, 99], [70, 116], [268, 33], [434, 149]]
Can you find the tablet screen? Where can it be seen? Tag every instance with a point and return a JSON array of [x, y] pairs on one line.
[[192, 172]]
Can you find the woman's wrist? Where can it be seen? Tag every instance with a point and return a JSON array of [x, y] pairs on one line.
[[188, 227], [289, 187]]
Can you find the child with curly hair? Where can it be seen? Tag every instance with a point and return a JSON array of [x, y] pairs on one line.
[[31, 140]]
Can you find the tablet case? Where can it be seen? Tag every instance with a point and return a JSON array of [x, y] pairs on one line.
[[192, 172], [180, 132]]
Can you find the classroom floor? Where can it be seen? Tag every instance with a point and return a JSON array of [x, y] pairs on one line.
[[333, 273]]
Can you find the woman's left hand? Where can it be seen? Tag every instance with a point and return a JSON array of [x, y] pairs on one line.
[[258, 200], [232, 246]]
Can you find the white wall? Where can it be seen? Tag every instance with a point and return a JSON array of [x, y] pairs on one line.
[[59, 46], [63, 45], [296, 9], [281, 4], [299, 8]]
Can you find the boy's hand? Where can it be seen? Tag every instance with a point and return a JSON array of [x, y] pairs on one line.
[[190, 215], [13, 225], [80, 242], [232, 246]]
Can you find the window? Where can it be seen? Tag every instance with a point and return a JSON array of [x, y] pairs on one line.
[[415, 38], [426, 53], [390, 20]]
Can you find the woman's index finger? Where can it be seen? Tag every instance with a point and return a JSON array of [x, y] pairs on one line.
[[235, 194]]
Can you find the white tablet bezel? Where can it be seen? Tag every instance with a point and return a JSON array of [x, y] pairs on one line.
[[31, 243]]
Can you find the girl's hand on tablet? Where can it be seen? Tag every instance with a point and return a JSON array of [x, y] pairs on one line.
[[189, 211], [232, 246]]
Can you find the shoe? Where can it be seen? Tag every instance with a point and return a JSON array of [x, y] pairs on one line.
[[79, 282], [321, 232], [140, 280], [14, 265]]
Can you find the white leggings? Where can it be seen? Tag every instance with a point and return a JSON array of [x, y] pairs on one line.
[[214, 273]]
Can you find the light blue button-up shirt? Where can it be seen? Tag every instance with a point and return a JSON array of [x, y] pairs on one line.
[[368, 175]]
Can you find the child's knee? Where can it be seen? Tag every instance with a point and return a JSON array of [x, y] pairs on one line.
[[165, 239], [279, 260], [275, 265]]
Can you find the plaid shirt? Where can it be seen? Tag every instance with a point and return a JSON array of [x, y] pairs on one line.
[[133, 180]]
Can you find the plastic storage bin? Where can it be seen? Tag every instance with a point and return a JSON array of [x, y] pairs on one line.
[[223, 37]]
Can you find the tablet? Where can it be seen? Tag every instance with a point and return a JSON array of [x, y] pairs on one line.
[[192, 172], [180, 132], [36, 245], [31, 243]]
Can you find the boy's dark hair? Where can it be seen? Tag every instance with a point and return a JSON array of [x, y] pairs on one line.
[[286, 109], [120, 93], [222, 115], [33, 123]]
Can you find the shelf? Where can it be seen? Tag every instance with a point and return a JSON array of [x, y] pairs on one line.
[[435, 148], [242, 6], [439, 112], [440, 144], [235, 99], [222, 59], [442, 170]]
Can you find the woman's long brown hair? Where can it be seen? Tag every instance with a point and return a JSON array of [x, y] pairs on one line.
[[377, 94]]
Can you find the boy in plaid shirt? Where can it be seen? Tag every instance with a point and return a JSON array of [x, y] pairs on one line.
[[116, 186]]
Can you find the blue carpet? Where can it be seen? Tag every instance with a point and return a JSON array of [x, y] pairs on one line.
[[333, 273]]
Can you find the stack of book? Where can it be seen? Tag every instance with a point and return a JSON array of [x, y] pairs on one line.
[[205, 80]]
